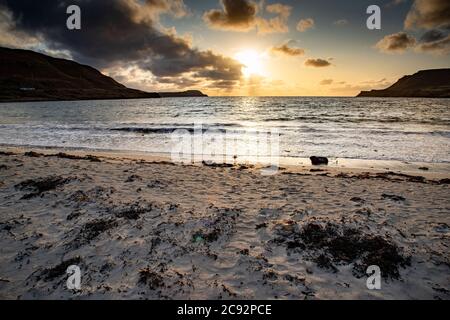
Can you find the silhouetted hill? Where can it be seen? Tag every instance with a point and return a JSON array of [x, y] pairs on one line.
[[433, 83], [30, 76], [188, 93]]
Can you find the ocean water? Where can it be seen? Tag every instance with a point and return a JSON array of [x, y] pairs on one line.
[[413, 130]]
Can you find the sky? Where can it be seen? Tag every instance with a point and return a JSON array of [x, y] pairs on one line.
[[239, 47]]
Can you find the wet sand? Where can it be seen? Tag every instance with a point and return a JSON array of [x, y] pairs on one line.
[[140, 227]]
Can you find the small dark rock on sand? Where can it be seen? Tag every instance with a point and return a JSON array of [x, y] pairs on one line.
[[318, 160]]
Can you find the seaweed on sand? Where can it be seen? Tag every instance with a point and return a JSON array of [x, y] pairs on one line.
[[92, 230], [220, 224], [151, 278], [133, 211], [42, 185], [60, 269], [332, 243], [62, 155]]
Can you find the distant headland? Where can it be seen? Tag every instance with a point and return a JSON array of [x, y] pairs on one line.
[[434, 83], [30, 76]]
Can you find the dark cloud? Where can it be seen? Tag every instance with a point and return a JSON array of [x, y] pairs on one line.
[[396, 43], [181, 82], [317, 63], [429, 14], [286, 49], [242, 16], [440, 46], [238, 15], [432, 35], [118, 32]]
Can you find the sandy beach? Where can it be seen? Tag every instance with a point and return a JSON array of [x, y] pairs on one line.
[[149, 229]]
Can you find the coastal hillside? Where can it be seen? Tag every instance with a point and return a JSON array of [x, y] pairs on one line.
[[188, 93], [433, 83], [30, 76]]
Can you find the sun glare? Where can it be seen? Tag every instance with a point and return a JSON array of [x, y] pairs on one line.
[[252, 62]]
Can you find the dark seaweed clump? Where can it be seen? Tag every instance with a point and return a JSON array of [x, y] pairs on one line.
[[332, 243], [133, 211], [33, 154], [42, 185], [89, 157], [60, 269], [6, 153], [220, 224], [92, 230], [151, 278]]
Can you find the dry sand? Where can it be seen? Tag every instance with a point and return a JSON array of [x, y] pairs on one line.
[[143, 229]]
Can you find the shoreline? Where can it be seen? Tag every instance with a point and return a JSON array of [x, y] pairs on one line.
[[286, 164]]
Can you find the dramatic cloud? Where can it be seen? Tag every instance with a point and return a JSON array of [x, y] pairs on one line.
[[10, 37], [305, 24], [326, 82], [118, 32], [277, 24], [396, 43], [440, 46], [236, 15], [429, 14], [175, 8], [317, 63], [242, 16], [288, 50], [432, 35]]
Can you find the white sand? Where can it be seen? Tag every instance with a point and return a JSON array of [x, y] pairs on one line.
[[148, 230]]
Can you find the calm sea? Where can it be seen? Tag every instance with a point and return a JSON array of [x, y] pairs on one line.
[[360, 128]]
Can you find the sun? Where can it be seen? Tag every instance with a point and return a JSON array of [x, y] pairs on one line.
[[252, 62]]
